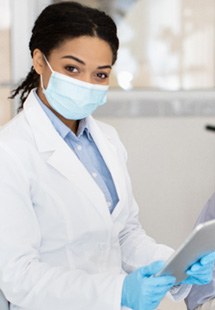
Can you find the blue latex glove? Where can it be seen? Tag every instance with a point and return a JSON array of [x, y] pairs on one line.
[[201, 272], [142, 291]]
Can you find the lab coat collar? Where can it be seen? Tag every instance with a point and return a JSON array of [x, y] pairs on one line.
[[63, 159], [46, 137]]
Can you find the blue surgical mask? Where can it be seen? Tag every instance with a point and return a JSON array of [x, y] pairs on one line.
[[72, 98]]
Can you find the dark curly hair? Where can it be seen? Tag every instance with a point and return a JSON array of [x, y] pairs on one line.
[[59, 22]]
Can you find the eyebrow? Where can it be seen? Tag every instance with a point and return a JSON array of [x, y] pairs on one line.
[[83, 63]]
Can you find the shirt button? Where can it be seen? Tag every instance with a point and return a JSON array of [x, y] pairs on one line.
[[94, 174], [109, 204], [79, 147]]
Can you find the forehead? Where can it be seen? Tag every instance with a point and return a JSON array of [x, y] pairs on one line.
[[88, 49]]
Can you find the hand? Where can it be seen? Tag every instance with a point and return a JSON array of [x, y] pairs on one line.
[[142, 291], [201, 272]]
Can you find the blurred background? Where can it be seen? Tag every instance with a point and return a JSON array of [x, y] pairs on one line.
[[165, 45], [162, 97]]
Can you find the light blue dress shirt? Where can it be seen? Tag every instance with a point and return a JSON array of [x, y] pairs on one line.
[[86, 150]]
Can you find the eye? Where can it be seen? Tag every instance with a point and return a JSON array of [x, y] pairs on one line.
[[102, 75], [71, 69]]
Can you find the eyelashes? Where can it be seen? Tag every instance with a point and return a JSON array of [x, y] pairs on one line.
[[103, 75], [72, 69], [99, 76]]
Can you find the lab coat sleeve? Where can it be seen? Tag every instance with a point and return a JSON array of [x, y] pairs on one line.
[[25, 280], [138, 249]]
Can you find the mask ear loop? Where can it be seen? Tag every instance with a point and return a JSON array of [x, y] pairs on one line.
[[46, 60], [41, 82], [41, 78]]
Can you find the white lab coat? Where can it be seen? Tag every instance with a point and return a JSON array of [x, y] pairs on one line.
[[60, 248]]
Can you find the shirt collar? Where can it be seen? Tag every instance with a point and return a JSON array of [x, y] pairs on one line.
[[60, 127]]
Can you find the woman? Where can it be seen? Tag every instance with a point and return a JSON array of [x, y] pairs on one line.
[[69, 231]]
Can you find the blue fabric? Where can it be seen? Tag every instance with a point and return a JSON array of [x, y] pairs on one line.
[[86, 150], [200, 294]]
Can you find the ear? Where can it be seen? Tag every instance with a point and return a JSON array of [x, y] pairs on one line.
[[38, 61]]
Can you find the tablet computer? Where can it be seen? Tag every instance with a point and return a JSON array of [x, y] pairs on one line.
[[200, 242]]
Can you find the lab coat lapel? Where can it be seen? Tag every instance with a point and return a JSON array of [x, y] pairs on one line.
[[61, 157], [109, 154], [66, 162]]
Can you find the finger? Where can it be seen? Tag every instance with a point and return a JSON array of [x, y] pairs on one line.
[[200, 269], [192, 281], [210, 258], [199, 274], [195, 267], [199, 282], [161, 281], [161, 290], [152, 269], [199, 279], [166, 281]]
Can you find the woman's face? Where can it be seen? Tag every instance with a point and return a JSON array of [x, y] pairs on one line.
[[84, 58]]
